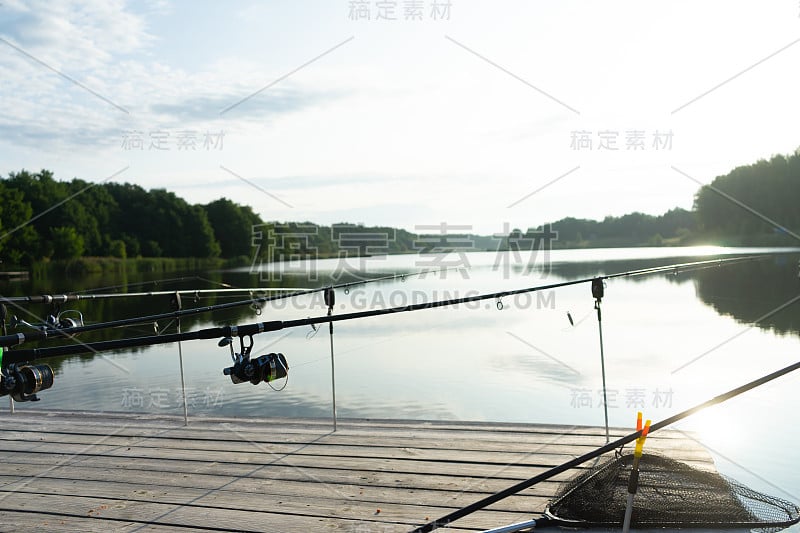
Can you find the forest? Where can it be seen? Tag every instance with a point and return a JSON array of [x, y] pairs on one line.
[[43, 219], [752, 205]]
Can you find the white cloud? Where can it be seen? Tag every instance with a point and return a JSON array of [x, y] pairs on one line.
[[426, 127], [74, 35]]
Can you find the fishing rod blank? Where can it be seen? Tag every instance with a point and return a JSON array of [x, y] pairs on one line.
[[611, 446], [75, 297]]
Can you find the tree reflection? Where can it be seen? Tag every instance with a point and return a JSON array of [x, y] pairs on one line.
[[748, 291], [745, 291]]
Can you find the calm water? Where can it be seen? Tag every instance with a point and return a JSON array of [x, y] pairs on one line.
[[671, 341]]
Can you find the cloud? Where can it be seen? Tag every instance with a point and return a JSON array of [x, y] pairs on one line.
[[276, 101], [60, 62], [71, 34], [39, 135], [81, 73], [288, 183]]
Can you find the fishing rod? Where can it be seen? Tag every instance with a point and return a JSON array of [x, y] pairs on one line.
[[70, 327], [248, 330], [611, 446], [56, 326], [74, 297]]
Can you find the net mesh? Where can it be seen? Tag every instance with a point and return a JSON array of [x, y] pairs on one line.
[[671, 494]]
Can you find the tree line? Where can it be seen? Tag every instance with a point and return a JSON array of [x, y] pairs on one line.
[[42, 218], [758, 203], [674, 227], [752, 205]]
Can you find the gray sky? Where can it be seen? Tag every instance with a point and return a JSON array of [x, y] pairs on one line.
[[481, 113]]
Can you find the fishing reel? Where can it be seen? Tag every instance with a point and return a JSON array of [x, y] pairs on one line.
[[52, 322], [265, 368], [23, 382]]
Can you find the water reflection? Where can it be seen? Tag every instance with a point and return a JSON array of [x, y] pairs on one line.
[[468, 362], [745, 291], [753, 290], [450, 344]]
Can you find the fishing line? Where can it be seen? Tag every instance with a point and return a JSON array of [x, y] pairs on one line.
[[313, 333], [219, 283], [286, 379], [138, 284], [165, 328]]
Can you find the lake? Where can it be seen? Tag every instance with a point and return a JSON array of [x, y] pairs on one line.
[[671, 340]]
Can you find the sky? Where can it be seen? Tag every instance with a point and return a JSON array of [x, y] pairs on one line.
[[408, 113]]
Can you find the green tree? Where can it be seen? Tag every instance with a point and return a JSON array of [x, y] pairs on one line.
[[18, 238], [769, 188], [117, 249], [233, 226], [67, 243]]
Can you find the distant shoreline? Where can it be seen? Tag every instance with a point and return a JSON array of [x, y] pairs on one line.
[[98, 265]]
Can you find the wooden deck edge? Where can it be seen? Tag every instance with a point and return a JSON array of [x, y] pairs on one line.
[[512, 427]]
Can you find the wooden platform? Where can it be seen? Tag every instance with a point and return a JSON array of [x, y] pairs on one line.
[[63, 471], [14, 275]]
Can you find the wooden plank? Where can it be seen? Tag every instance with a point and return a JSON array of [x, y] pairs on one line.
[[313, 501], [327, 471], [114, 471], [182, 469], [140, 485], [53, 523], [517, 469], [542, 454], [498, 430], [259, 518], [231, 432]]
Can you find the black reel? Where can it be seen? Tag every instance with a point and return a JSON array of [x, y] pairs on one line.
[[265, 368], [23, 382]]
